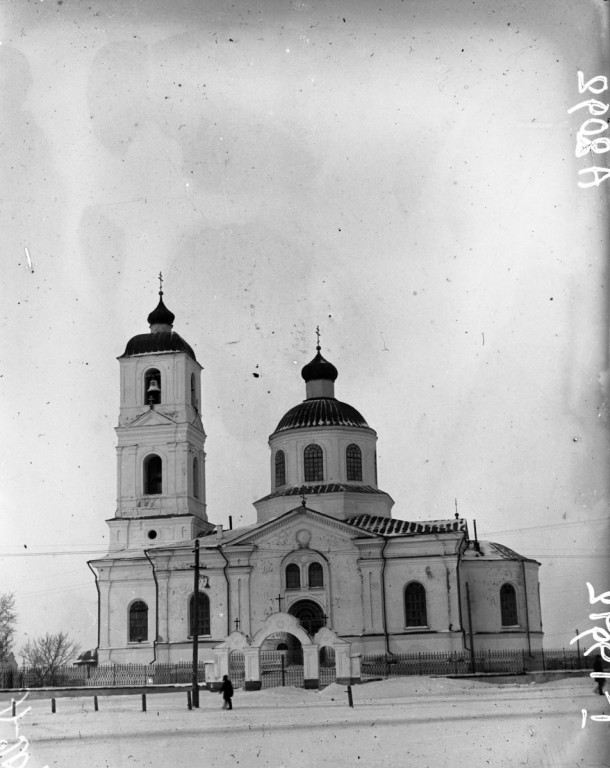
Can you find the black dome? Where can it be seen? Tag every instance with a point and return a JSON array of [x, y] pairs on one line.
[[161, 315], [319, 368], [321, 412], [166, 341]]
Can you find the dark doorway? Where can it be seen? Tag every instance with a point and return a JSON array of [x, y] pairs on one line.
[[310, 614]]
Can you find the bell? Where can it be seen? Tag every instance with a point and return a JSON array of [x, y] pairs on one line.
[[154, 386]]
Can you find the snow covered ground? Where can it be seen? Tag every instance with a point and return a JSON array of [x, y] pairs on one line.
[[414, 721]]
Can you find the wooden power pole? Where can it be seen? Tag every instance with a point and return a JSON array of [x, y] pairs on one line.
[[196, 627]]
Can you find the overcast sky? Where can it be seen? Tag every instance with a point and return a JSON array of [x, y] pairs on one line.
[[401, 174]]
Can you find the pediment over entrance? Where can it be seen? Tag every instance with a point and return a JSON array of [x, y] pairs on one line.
[[303, 528]]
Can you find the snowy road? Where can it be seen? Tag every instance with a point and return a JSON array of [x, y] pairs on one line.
[[402, 722]]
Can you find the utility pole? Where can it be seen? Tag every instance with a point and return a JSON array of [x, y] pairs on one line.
[[196, 627]]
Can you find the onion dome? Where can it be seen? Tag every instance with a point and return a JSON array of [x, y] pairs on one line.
[[161, 315], [161, 337], [319, 368], [321, 412]]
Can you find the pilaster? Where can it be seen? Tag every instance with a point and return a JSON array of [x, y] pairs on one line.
[[239, 592]]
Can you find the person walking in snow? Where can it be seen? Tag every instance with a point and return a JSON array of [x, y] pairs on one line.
[[227, 692], [598, 666]]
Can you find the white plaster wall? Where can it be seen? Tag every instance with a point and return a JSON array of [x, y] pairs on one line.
[[333, 441], [176, 445], [179, 593], [120, 586], [175, 368], [485, 578]]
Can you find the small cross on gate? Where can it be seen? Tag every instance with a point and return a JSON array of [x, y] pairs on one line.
[[236, 622], [325, 617], [279, 599]]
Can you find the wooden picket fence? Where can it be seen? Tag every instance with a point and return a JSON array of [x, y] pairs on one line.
[[389, 665], [498, 661], [105, 674]]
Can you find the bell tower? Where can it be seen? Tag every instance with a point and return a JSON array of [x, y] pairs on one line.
[[160, 451]]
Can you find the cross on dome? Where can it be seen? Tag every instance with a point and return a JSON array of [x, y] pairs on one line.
[[161, 319]]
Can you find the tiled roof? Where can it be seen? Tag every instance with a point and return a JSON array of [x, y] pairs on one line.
[[312, 490], [388, 526], [166, 341], [321, 412]]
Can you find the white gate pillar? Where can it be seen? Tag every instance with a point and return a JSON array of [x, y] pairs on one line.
[[221, 665], [355, 667], [342, 659], [311, 666], [252, 679]]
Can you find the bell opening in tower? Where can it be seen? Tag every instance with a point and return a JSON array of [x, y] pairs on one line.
[[152, 387]]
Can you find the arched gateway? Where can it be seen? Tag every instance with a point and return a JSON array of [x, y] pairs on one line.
[[347, 666]]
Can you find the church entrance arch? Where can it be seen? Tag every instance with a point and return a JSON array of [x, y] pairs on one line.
[[286, 644], [309, 614], [286, 654], [281, 660], [277, 633]]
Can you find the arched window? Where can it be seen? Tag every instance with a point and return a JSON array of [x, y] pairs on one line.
[[196, 477], [353, 460], [193, 392], [313, 463], [415, 605], [293, 576], [316, 575], [153, 474], [204, 614], [508, 605], [138, 622], [152, 386], [310, 614], [280, 469]]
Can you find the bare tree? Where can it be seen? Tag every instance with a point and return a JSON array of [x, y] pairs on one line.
[[8, 620], [45, 655]]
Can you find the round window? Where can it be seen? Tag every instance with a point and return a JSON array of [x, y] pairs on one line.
[[152, 534]]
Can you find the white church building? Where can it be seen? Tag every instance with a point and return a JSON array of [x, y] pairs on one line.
[[325, 564]]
